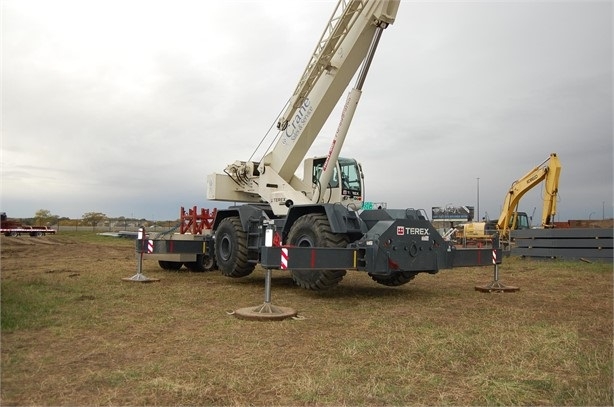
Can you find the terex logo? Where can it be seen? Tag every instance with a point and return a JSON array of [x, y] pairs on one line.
[[402, 230]]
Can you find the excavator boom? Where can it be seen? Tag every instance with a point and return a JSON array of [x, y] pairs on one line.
[[548, 171]]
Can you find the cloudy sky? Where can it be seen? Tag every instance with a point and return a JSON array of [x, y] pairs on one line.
[[123, 107]]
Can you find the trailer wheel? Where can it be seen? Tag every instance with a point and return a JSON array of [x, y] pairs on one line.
[[202, 263], [313, 230], [170, 265], [231, 253], [395, 279], [209, 263]]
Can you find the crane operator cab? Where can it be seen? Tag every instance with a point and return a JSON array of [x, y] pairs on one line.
[[345, 185]]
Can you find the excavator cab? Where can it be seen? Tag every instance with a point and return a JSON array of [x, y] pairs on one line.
[[519, 220]]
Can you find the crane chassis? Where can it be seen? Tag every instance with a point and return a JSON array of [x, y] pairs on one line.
[[319, 244]]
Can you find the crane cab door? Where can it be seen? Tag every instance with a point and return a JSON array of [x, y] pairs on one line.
[[345, 185]]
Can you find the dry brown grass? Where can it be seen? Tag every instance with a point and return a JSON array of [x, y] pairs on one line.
[[74, 333]]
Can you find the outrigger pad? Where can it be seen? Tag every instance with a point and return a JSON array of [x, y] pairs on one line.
[[265, 312], [139, 278], [496, 287]]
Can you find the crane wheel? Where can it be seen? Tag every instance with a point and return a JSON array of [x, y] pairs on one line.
[[209, 263], [231, 253], [202, 263], [170, 265], [394, 279], [313, 230]]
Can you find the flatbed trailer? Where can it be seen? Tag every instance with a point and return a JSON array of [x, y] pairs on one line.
[[13, 227], [34, 231]]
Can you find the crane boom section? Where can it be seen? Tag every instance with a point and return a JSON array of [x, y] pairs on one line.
[[550, 173], [337, 57], [343, 18]]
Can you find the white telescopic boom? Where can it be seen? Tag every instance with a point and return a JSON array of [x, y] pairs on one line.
[[333, 153], [346, 119]]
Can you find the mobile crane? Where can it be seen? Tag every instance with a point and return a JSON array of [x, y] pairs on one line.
[[349, 40], [319, 210], [510, 219], [316, 226]]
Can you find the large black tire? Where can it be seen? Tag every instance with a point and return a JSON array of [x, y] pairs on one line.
[[202, 263], [394, 279], [231, 253], [313, 230], [170, 265]]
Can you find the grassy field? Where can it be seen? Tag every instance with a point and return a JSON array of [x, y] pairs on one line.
[[74, 333]]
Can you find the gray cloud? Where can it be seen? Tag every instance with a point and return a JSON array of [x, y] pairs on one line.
[[128, 116]]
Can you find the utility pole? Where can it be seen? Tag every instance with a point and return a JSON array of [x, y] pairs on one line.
[[478, 203]]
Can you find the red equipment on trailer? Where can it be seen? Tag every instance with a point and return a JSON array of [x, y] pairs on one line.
[[194, 223], [189, 247]]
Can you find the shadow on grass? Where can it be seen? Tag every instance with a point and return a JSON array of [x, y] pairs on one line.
[[345, 289]]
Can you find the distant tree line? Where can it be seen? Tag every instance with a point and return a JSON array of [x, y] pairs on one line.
[[44, 217]]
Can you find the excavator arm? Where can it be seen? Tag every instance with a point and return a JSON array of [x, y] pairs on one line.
[[548, 171]]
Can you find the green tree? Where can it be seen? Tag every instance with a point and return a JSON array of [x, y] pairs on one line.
[[43, 217], [93, 218]]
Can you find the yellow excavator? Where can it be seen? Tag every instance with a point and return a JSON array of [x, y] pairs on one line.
[[510, 219]]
